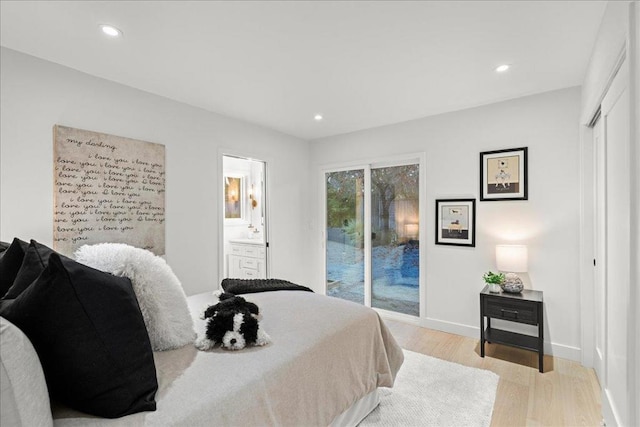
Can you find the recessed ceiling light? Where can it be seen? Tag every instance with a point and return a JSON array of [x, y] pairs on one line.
[[502, 68], [110, 30], [318, 117]]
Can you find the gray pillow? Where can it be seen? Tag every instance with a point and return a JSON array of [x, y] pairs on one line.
[[24, 397]]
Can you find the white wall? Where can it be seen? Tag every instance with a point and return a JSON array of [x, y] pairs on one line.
[[548, 222], [37, 94]]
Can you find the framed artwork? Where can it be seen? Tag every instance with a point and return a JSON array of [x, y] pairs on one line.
[[503, 175], [456, 222], [233, 197]]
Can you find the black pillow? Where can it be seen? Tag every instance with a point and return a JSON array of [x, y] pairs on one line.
[[34, 262], [10, 264], [249, 286], [88, 331]]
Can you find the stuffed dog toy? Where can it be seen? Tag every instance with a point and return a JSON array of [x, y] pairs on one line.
[[233, 323]]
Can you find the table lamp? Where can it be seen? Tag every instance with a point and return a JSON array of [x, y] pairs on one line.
[[411, 230], [512, 259]]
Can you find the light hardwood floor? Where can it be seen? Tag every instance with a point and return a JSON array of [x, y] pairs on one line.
[[566, 394]]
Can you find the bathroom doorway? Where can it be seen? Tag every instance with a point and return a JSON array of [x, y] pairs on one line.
[[245, 243]]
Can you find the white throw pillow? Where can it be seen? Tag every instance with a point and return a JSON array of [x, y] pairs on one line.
[[160, 295], [24, 397]]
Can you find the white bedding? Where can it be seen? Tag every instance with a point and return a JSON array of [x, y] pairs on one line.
[[326, 354]]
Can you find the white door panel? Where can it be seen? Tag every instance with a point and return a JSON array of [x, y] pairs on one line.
[[615, 120], [600, 253]]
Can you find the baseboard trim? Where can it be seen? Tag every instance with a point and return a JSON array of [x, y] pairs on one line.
[[550, 348], [608, 414], [563, 351], [451, 327]]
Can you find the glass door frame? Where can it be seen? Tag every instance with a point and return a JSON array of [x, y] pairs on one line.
[[367, 224], [366, 166]]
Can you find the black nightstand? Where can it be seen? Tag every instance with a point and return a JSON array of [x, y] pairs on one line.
[[525, 307]]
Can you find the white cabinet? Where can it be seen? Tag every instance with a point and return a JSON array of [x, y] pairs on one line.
[[247, 260]]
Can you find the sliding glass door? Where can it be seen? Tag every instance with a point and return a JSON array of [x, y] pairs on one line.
[[372, 236], [395, 222], [345, 234]]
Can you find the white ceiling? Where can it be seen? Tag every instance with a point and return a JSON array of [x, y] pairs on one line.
[[360, 64]]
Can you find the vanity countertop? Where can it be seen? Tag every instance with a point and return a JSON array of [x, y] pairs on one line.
[[256, 242]]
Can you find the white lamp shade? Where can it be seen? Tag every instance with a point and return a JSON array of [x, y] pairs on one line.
[[512, 258], [411, 230]]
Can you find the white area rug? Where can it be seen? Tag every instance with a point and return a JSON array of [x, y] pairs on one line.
[[434, 392]]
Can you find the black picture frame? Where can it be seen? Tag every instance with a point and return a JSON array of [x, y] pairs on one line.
[[456, 222], [504, 175]]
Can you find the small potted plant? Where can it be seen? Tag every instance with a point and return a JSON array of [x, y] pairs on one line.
[[494, 280]]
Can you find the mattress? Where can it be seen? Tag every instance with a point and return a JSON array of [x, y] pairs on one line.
[[326, 354]]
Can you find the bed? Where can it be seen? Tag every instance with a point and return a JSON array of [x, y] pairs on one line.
[[326, 360]]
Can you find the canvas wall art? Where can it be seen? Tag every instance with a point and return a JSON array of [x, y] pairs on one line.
[[107, 189]]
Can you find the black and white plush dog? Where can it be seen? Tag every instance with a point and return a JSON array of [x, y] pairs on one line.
[[233, 323]]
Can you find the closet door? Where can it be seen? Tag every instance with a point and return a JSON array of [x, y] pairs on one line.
[[600, 259], [615, 120]]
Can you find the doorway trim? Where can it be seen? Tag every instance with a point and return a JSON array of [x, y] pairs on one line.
[[219, 205]]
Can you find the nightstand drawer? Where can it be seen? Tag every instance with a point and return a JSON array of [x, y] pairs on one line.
[[513, 310]]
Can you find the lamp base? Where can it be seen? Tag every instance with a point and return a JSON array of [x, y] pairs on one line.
[[512, 283]]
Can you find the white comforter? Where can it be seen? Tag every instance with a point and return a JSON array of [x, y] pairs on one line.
[[325, 355]]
